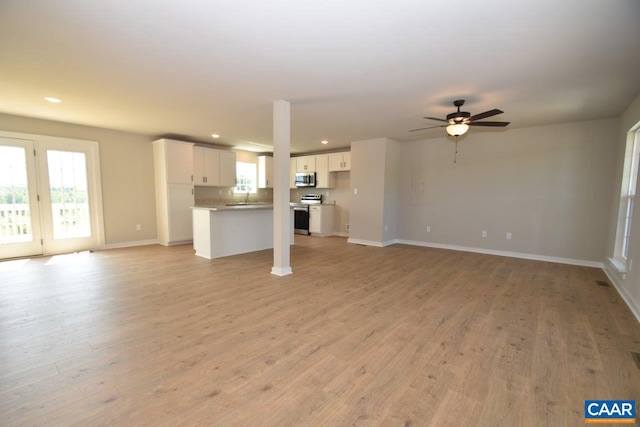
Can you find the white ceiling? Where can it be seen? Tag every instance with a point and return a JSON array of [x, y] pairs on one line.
[[352, 69]]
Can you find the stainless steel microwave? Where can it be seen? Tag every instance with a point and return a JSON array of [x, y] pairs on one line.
[[305, 179]]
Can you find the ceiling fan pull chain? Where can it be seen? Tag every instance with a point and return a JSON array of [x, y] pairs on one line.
[[455, 156]]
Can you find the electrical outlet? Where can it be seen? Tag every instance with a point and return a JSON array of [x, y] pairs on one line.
[[347, 227], [508, 236], [428, 229], [355, 191], [386, 228], [484, 233], [138, 227]]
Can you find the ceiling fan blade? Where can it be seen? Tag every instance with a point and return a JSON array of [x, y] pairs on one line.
[[486, 114], [435, 118], [430, 127], [494, 124]]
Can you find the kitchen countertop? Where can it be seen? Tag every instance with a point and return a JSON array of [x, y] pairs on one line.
[[251, 206], [236, 207]]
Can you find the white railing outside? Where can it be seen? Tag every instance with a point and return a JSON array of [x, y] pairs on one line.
[[15, 223], [69, 221]]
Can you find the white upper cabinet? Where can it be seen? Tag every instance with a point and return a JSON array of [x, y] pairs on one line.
[[306, 164], [340, 162], [205, 166], [227, 169], [293, 168], [214, 168], [179, 161], [265, 172], [324, 179]]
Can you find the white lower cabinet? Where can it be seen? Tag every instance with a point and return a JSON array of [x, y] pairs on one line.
[[179, 222], [321, 220]]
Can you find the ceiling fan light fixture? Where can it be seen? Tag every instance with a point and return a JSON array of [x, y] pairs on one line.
[[457, 129]]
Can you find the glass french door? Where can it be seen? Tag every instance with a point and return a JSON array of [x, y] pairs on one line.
[[52, 204], [69, 195], [19, 212]]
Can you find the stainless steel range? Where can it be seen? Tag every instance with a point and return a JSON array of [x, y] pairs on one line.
[[301, 212]]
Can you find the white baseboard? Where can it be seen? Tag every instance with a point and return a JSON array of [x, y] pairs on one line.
[[633, 305], [372, 243], [364, 242], [534, 257], [281, 271], [341, 234], [130, 244]]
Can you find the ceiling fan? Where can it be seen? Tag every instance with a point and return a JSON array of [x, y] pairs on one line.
[[458, 123]]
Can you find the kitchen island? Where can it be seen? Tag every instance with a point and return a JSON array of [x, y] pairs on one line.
[[225, 230]]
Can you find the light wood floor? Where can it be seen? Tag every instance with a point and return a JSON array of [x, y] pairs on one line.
[[358, 335]]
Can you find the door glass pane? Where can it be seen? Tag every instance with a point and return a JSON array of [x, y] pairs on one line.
[[15, 212], [69, 195]]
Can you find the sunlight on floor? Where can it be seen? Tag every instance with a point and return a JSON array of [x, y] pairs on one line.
[[13, 265], [68, 258]]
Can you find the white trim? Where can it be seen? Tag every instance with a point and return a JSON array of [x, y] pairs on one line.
[[364, 242], [618, 264], [372, 243], [535, 257], [633, 305], [340, 234], [176, 243], [130, 244], [281, 271]]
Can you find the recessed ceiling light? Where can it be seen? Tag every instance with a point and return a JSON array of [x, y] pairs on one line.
[[52, 99], [324, 142], [215, 135]]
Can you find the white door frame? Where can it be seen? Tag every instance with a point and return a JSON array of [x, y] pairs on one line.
[[33, 247], [92, 152]]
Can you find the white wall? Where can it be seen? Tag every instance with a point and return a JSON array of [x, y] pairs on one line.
[[550, 186], [627, 283], [374, 166]]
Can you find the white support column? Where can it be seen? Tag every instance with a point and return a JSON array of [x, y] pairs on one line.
[[281, 209]]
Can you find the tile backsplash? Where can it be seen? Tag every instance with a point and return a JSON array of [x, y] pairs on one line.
[[211, 196]]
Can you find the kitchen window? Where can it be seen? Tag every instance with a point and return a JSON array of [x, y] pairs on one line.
[[246, 178]]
